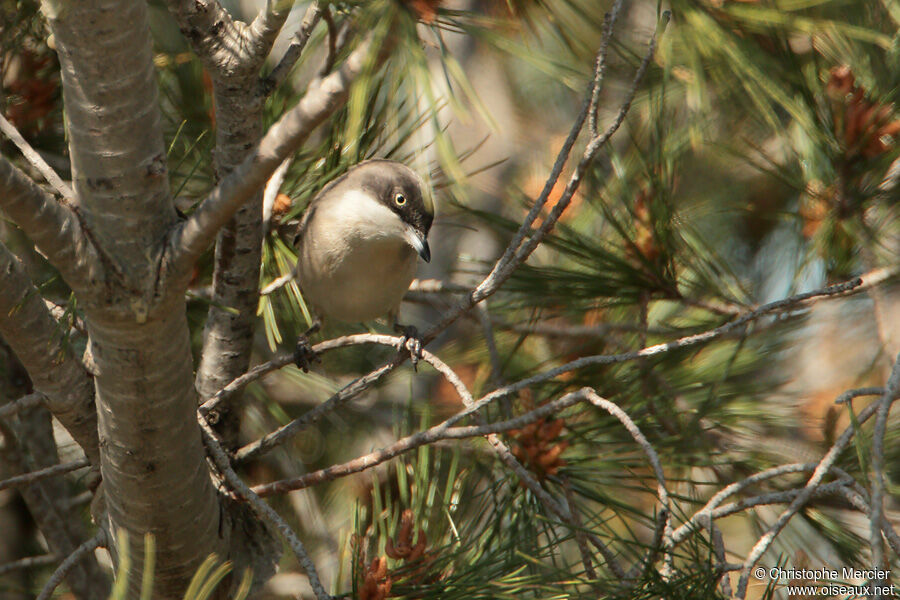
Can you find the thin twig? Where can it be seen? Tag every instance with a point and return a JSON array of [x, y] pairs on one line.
[[287, 358], [28, 563], [821, 470], [32, 156], [695, 522], [263, 510], [514, 255], [516, 467], [294, 50], [780, 497], [60, 469], [580, 538], [431, 435], [856, 393], [593, 147], [680, 343], [190, 238], [609, 22], [284, 433], [664, 523], [361, 384], [98, 541], [23, 403], [332, 41], [876, 517], [261, 33]]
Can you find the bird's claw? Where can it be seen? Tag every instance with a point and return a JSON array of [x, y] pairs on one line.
[[304, 355], [411, 342]]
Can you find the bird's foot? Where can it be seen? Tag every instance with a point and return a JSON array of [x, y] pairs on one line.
[[412, 343], [304, 355]]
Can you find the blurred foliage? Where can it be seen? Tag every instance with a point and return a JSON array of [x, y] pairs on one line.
[[755, 162]]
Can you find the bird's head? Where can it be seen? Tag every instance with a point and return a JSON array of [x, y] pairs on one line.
[[400, 189]]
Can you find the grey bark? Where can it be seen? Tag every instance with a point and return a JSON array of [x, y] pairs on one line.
[[36, 338], [31, 446], [120, 247], [155, 475], [234, 60], [47, 502]]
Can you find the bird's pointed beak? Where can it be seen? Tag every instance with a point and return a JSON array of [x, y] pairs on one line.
[[419, 243]]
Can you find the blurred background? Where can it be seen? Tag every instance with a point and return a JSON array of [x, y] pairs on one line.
[[757, 161]]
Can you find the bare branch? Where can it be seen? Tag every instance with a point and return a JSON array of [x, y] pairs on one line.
[[664, 524], [23, 403], [430, 436], [32, 333], [35, 159], [856, 393], [60, 469], [684, 342], [282, 434], [286, 359], [87, 547], [28, 563], [781, 497], [802, 498], [190, 238], [877, 520], [265, 27], [51, 225], [609, 22], [514, 255], [697, 520], [212, 32], [292, 54], [263, 510], [361, 384], [332, 41]]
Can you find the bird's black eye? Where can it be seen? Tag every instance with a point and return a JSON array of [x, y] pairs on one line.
[[399, 199]]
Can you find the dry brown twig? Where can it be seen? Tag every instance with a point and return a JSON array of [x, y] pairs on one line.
[[98, 541], [361, 384], [263, 510], [62, 188], [814, 483], [28, 563], [31, 477]]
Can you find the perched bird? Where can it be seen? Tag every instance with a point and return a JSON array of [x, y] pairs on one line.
[[358, 242]]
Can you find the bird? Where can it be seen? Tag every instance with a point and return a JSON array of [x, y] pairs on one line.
[[358, 246]]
